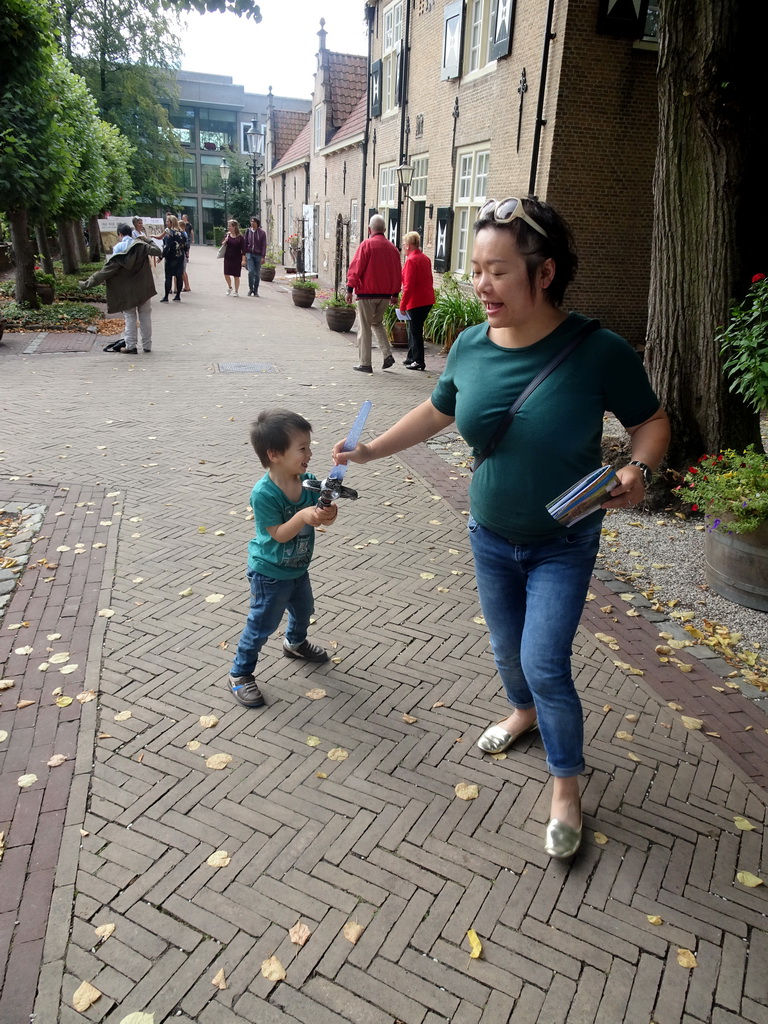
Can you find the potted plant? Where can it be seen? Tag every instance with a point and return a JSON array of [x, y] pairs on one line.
[[744, 345], [453, 311], [731, 489], [339, 314], [397, 330], [269, 264], [303, 292], [45, 285]]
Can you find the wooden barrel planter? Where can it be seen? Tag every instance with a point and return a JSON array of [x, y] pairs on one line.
[[736, 566], [45, 293], [303, 297], [340, 318], [267, 274], [399, 337]]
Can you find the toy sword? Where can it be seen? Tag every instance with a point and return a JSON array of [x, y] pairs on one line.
[[332, 488]]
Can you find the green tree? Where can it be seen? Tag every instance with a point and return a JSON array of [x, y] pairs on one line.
[[709, 234], [36, 167], [239, 190]]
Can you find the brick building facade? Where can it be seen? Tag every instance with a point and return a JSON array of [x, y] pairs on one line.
[[485, 98]]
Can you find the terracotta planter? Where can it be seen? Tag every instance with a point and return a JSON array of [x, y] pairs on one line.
[[45, 293], [267, 274], [736, 566], [303, 297], [340, 318]]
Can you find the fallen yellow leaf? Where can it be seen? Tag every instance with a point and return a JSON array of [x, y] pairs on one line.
[[104, 931], [219, 859], [214, 598], [621, 735], [218, 980], [194, 745], [601, 838], [409, 719], [313, 741], [634, 757], [475, 945], [743, 824], [337, 754], [86, 696], [63, 702], [299, 933], [273, 970], [654, 919], [218, 761], [208, 721], [466, 791], [106, 613], [56, 760], [85, 996], [186, 593], [123, 716], [60, 658], [315, 694], [352, 931], [691, 723], [686, 958], [25, 781], [748, 879]]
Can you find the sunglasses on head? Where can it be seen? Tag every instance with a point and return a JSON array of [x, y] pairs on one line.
[[507, 210]]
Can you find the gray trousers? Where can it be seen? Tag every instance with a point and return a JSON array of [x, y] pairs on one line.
[[369, 321], [139, 316]]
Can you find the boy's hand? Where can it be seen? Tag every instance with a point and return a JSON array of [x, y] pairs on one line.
[[317, 516]]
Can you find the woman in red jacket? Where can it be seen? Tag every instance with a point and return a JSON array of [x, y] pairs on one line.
[[418, 298]]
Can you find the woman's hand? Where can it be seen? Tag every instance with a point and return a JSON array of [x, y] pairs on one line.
[[631, 489], [359, 454]]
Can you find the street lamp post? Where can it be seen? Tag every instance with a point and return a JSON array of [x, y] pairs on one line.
[[404, 178], [255, 136], [224, 172]]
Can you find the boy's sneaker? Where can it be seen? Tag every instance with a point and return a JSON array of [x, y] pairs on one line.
[[245, 691], [305, 650]]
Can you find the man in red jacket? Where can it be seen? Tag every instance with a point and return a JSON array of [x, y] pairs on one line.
[[375, 276]]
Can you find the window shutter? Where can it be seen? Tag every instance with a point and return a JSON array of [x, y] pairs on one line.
[[452, 19], [376, 89], [624, 19], [399, 66], [443, 238], [502, 31], [393, 229]]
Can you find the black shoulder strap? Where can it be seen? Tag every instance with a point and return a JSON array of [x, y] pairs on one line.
[[509, 415]]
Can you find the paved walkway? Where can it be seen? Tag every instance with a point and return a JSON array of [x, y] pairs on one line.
[[144, 469]]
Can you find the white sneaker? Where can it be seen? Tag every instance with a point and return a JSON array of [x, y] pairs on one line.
[[229, 291], [236, 295]]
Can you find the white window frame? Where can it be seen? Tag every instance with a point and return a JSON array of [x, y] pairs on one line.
[[478, 34], [327, 223], [387, 187], [472, 169], [354, 221], [418, 190], [392, 38], [319, 127]]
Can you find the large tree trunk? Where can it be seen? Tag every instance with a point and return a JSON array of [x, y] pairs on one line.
[[69, 260], [95, 249], [77, 234], [24, 255], [706, 233], [43, 247]]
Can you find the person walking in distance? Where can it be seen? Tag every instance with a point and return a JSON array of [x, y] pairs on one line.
[[255, 251], [417, 299], [175, 246], [234, 256], [130, 286], [375, 276]]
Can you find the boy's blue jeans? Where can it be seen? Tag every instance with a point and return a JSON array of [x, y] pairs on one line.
[[269, 599], [532, 596]]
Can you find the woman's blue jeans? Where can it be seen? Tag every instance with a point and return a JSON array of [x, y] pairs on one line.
[[532, 596], [269, 599]]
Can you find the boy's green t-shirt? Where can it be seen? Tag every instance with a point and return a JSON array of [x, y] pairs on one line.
[[554, 439], [271, 507]]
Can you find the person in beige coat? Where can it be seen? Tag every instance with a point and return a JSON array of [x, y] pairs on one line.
[[130, 286]]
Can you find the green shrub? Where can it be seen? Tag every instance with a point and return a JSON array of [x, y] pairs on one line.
[[63, 316], [453, 311], [218, 236]]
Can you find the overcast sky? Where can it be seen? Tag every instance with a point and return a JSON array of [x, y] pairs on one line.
[[280, 50]]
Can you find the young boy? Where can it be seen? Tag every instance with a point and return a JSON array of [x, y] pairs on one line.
[[285, 515]]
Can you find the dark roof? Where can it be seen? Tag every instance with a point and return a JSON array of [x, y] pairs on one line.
[[286, 128], [299, 150], [345, 82], [355, 123]]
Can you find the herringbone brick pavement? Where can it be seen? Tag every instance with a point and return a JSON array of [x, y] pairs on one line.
[[122, 831]]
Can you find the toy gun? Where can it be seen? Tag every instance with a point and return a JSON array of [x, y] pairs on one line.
[[332, 488]]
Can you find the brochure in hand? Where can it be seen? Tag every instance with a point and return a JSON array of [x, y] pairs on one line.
[[586, 495]]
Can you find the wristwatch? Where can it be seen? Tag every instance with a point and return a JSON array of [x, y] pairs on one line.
[[646, 470]]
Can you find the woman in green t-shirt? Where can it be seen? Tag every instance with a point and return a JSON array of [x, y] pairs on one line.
[[533, 573]]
